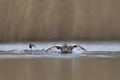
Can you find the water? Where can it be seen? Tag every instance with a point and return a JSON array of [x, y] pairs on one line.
[[101, 62], [94, 49], [60, 69]]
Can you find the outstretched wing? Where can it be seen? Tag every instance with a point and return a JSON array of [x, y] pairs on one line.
[[74, 46], [58, 47]]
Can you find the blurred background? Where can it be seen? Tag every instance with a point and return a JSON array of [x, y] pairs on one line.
[[51, 20]]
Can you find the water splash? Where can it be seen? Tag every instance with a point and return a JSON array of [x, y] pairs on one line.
[[21, 50]]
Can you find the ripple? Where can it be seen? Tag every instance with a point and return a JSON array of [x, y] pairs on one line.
[[52, 54]]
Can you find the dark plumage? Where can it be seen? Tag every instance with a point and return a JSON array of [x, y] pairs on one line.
[[31, 45]]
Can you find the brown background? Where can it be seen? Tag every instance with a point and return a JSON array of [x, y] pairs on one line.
[[59, 19]]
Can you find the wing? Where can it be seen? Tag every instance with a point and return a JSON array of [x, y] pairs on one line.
[[58, 47], [74, 46]]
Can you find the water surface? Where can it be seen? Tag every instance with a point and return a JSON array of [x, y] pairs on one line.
[[101, 62]]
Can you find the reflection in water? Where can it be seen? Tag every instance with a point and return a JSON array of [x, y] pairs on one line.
[[60, 69]]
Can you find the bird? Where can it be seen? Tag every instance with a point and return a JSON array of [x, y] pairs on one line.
[[31, 45], [65, 48]]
